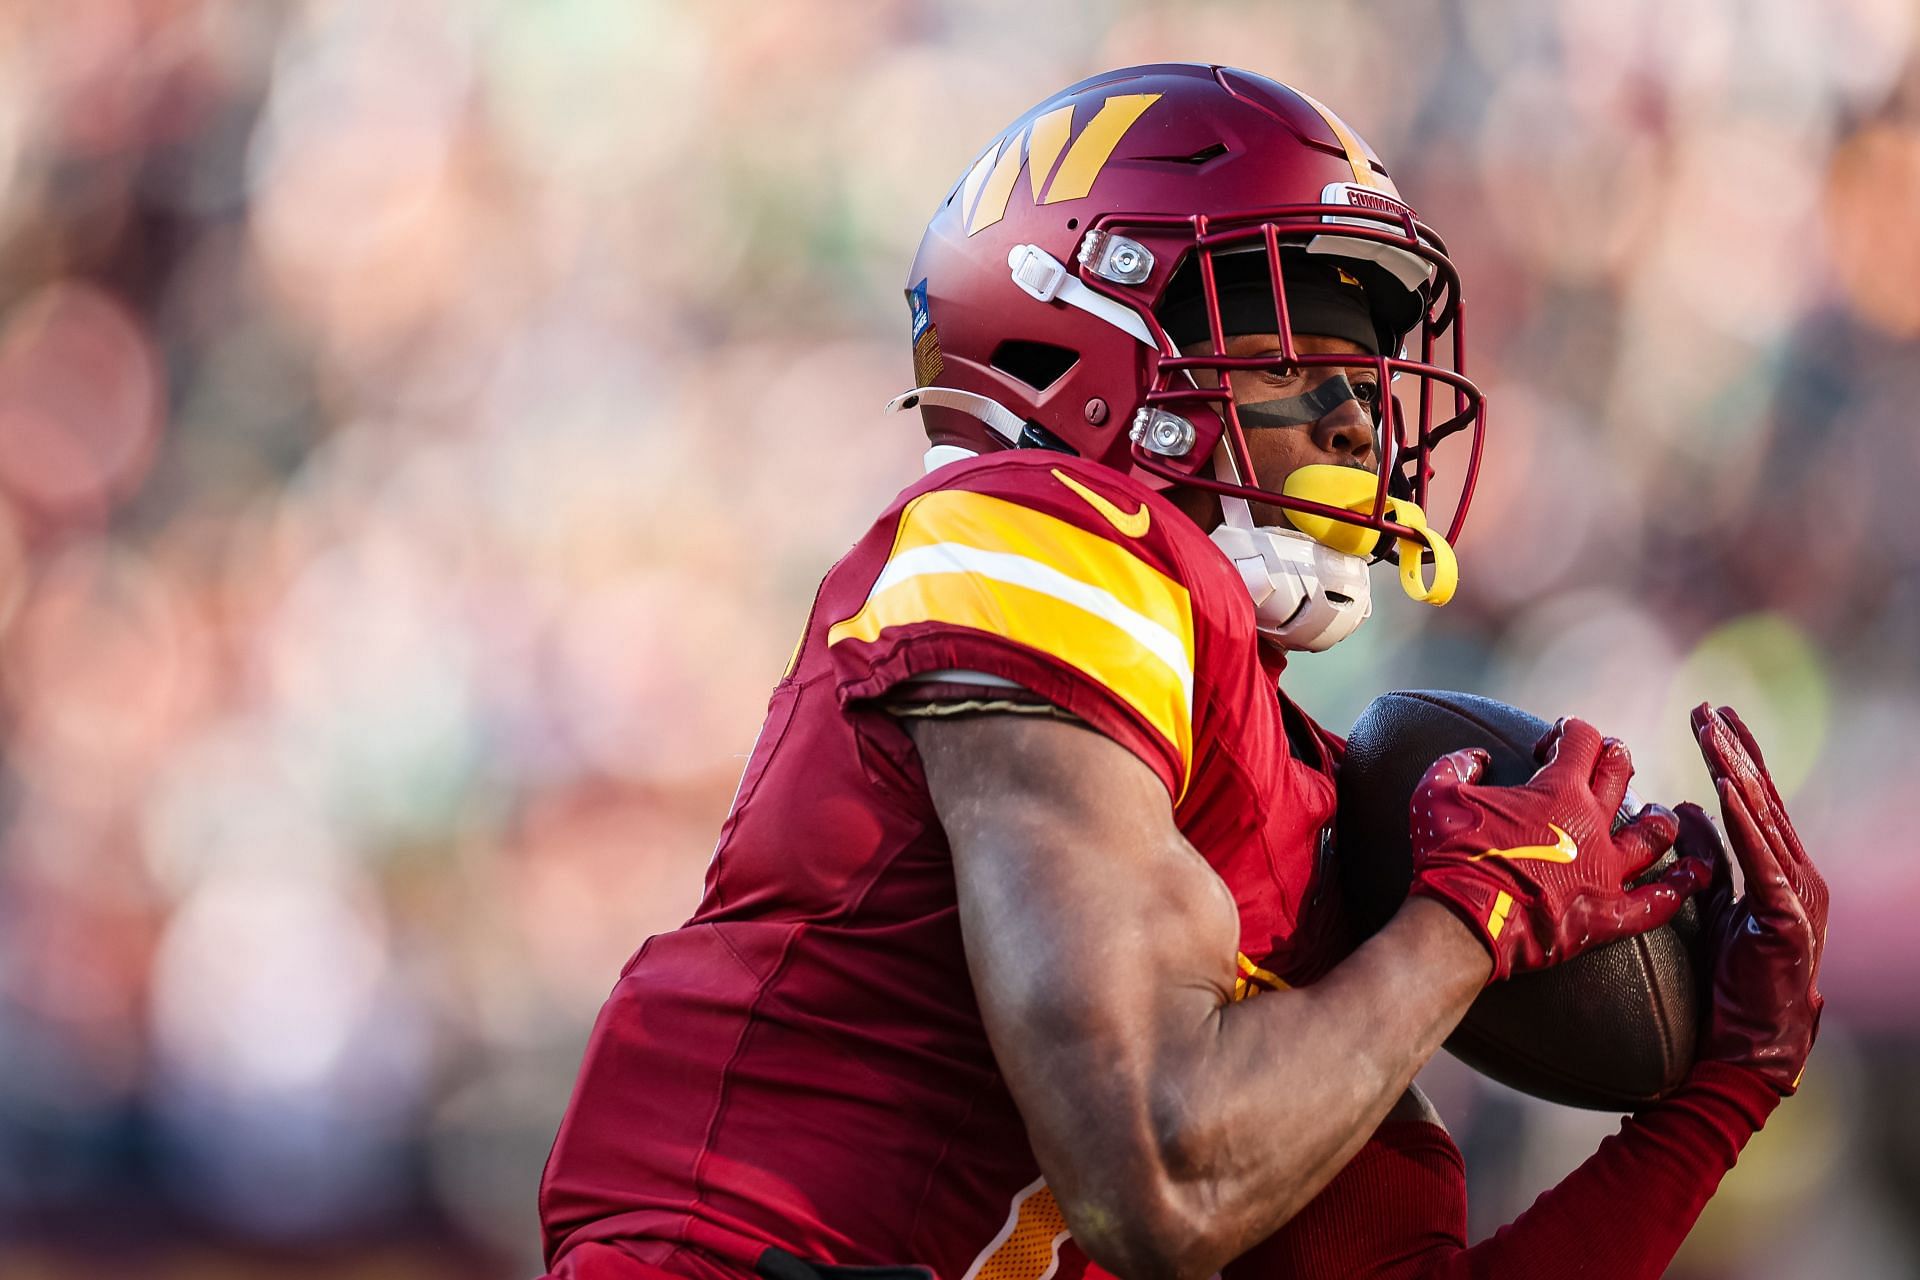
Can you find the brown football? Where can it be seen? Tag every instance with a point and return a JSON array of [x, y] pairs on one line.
[[1612, 1029]]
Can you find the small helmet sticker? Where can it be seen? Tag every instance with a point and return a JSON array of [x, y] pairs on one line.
[[927, 361]]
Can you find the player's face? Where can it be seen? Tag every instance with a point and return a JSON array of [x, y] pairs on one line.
[[1288, 425]]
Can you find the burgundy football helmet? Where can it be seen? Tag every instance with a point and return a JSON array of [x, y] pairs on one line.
[[1102, 232]]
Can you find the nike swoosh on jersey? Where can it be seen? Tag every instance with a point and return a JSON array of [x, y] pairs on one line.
[[1133, 526], [1563, 849]]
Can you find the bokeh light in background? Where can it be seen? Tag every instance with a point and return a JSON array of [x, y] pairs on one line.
[[422, 427]]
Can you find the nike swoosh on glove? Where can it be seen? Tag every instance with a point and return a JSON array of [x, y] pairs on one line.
[[1537, 870]]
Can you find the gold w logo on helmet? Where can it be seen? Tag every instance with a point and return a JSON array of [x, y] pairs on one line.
[[989, 184]]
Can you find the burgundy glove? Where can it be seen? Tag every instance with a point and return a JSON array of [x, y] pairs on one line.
[[1537, 870], [1766, 944]]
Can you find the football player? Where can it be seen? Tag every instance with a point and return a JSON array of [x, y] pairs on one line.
[[1029, 821]]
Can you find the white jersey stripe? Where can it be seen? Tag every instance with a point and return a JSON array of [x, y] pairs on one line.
[[1020, 571]]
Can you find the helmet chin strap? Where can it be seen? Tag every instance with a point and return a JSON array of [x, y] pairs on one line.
[[1004, 422], [1235, 511]]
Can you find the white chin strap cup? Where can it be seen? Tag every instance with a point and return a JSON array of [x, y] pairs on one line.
[[1306, 596]]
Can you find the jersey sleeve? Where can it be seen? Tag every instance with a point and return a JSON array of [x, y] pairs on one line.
[[1056, 580], [1398, 1211]]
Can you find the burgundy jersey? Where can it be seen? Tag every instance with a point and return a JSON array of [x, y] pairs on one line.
[[802, 1064]]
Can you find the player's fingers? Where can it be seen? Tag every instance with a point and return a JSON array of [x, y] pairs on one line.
[[1704, 878], [1575, 748], [1652, 905], [1697, 832], [1811, 889], [1780, 817], [1719, 747], [1693, 873], [1468, 764], [1611, 773], [1767, 883], [1741, 754], [1740, 731], [1728, 761], [1543, 749], [1438, 794], [1699, 838], [1800, 871], [1728, 758], [1455, 768], [1650, 834]]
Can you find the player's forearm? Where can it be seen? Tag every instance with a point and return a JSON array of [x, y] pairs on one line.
[[1289, 1085]]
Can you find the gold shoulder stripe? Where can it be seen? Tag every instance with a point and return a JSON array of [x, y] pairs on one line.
[[976, 561]]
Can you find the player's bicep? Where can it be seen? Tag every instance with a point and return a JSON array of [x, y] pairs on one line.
[[1053, 824], [1093, 931]]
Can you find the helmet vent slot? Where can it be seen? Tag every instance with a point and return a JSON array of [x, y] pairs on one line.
[[1212, 151], [1038, 364]]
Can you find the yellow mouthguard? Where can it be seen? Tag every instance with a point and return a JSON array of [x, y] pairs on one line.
[[1352, 489]]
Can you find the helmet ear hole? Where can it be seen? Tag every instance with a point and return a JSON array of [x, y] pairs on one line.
[[1038, 364]]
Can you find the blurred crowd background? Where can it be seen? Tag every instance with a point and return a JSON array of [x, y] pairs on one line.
[[422, 426]]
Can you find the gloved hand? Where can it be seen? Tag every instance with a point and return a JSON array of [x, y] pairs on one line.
[[1537, 870], [1766, 943]]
